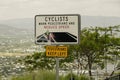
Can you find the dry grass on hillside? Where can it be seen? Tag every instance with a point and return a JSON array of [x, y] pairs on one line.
[[14, 54]]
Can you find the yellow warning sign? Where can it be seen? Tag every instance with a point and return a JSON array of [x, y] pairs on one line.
[[56, 51]]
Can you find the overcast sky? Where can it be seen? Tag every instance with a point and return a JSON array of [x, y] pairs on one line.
[[12, 9]]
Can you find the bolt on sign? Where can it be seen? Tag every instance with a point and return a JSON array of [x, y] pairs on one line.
[[57, 29], [56, 51]]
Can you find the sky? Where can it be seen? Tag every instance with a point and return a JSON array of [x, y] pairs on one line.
[[15, 9]]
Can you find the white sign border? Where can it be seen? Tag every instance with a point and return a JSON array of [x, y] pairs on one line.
[[59, 43]]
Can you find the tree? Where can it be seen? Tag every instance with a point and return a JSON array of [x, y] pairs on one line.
[[39, 61], [95, 45]]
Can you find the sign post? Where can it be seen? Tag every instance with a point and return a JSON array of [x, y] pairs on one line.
[[57, 30], [57, 68], [56, 51]]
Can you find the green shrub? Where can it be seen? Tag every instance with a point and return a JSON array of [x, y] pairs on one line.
[[40, 75], [69, 76], [47, 75], [83, 77]]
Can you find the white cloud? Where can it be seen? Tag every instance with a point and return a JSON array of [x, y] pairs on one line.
[[10, 9]]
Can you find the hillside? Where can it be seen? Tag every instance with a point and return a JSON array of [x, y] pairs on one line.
[[6, 30], [17, 35], [14, 39], [101, 21], [25, 23], [86, 21]]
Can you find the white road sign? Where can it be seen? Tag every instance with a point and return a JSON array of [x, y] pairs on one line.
[[57, 29]]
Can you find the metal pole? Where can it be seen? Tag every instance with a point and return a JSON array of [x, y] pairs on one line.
[[71, 73], [105, 51], [57, 68]]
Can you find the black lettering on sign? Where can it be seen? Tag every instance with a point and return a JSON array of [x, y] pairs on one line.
[[56, 18]]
